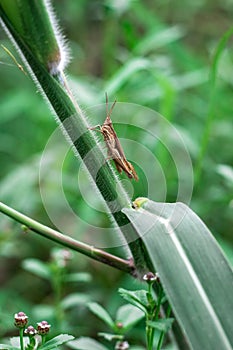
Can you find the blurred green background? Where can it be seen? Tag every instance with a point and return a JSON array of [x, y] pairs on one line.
[[157, 54]]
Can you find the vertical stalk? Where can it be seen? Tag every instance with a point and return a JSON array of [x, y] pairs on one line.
[[211, 105], [21, 338]]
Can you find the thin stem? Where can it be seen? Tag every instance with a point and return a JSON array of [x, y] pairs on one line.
[[150, 317], [21, 338], [43, 337], [160, 342], [57, 283], [160, 296], [92, 252], [162, 334], [148, 334], [212, 103]]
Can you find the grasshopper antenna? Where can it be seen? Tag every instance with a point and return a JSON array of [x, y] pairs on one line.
[[14, 59], [106, 98], [108, 113]]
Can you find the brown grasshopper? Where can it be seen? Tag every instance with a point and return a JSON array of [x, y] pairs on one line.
[[115, 150]]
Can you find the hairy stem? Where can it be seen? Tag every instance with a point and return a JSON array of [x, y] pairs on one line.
[[22, 18]]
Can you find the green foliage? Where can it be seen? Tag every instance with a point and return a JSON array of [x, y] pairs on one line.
[[102, 314], [126, 317], [114, 50], [161, 325], [137, 298], [56, 342], [86, 344]]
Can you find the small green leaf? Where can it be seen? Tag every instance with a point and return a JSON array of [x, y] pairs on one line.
[[161, 325], [57, 341], [100, 312], [137, 298], [78, 277], [37, 267], [74, 299], [129, 315], [110, 337], [85, 343]]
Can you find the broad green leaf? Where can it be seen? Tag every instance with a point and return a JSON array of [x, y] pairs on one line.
[[85, 343], [37, 267], [56, 342], [129, 315], [162, 325], [100, 312], [194, 272], [137, 298]]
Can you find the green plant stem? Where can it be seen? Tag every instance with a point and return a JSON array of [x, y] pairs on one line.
[[148, 333], [153, 315], [90, 251], [21, 338], [160, 342], [150, 317], [149, 338], [57, 283], [160, 296], [212, 102], [43, 338]]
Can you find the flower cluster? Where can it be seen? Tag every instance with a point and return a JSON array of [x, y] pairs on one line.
[[21, 320]]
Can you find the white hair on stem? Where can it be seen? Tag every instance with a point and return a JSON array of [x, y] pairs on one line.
[[65, 56]]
